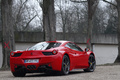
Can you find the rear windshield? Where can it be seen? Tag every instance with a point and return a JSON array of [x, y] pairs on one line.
[[44, 46]]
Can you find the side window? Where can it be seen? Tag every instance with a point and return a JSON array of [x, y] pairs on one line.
[[73, 46], [67, 45], [78, 48]]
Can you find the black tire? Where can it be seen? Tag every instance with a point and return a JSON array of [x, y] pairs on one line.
[[19, 73], [65, 65], [92, 64]]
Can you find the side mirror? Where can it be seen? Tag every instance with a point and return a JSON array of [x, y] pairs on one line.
[[86, 49]]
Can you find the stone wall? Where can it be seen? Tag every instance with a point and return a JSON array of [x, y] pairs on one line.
[[75, 37]]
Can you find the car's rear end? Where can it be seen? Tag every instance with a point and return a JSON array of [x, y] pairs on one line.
[[33, 60]]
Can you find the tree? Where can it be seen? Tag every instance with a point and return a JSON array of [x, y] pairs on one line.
[[49, 20], [118, 9], [64, 16], [71, 18], [112, 21], [23, 15], [0, 18], [7, 31], [92, 5], [100, 20], [118, 32], [41, 19], [112, 24]]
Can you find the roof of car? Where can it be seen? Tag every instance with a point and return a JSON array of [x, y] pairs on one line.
[[61, 41]]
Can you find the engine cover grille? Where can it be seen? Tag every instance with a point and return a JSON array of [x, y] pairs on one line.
[[31, 67]]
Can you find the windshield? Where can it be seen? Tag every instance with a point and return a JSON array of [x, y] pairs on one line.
[[44, 46]]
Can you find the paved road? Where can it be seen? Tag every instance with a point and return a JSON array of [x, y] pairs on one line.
[[101, 73]]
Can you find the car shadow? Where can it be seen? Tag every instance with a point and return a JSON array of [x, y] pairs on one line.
[[54, 74]]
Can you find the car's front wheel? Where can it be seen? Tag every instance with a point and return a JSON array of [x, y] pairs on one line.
[[19, 73], [65, 65], [92, 64]]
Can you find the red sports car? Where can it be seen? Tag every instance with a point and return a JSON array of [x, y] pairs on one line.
[[61, 56]]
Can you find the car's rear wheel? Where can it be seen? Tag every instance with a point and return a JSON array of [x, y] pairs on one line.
[[19, 73], [92, 64], [65, 65]]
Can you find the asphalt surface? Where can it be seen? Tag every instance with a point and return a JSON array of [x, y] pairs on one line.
[[101, 73]]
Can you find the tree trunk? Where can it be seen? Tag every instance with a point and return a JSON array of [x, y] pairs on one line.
[[89, 34], [92, 4], [49, 20], [64, 31], [118, 9], [7, 32], [90, 26], [63, 22]]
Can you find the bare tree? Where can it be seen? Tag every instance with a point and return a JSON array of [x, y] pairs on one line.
[[7, 31], [49, 20], [112, 24], [100, 20], [92, 5], [118, 10], [0, 18], [64, 14], [41, 19], [23, 15], [71, 18], [17, 13]]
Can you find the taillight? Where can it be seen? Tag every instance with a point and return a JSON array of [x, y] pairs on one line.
[[12, 54], [55, 52]]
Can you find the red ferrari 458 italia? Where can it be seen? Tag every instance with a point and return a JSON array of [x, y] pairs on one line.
[[61, 56]]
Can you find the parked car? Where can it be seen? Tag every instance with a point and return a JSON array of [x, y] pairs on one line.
[[61, 56]]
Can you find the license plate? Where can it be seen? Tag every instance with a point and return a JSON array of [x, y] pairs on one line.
[[31, 61]]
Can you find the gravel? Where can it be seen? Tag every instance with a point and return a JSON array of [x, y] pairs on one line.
[[111, 72]]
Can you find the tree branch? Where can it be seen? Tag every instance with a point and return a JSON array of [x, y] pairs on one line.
[[21, 8], [110, 3], [77, 1], [29, 22], [41, 22], [19, 13]]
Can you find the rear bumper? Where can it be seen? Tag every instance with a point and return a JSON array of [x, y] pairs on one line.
[[45, 63], [33, 69]]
